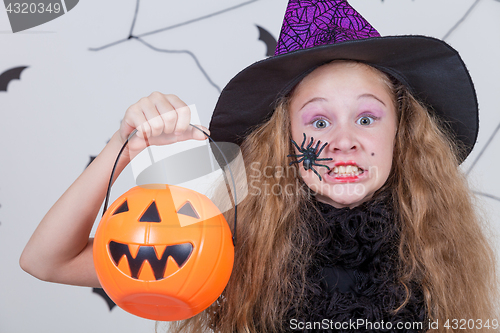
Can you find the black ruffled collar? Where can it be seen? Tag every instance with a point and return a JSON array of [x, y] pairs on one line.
[[353, 274]]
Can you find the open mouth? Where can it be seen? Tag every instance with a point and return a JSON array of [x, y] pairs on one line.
[[346, 171], [157, 256]]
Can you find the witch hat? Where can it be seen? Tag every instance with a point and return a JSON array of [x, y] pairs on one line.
[[316, 32]]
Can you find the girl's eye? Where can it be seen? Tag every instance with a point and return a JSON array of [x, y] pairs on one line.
[[320, 123], [365, 120]]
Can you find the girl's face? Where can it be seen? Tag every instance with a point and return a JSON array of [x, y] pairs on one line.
[[349, 106]]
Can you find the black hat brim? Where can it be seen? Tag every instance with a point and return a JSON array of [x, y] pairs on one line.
[[433, 70]]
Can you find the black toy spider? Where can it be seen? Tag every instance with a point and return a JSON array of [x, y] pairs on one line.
[[310, 155]]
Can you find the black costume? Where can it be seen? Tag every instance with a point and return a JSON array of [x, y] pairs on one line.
[[353, 275]]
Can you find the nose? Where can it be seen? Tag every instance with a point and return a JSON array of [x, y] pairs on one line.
[[343, 140]]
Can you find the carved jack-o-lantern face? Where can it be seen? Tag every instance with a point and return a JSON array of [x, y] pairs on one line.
[[163, 252]]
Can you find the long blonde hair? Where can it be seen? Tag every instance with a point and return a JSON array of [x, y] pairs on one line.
[[442, 244]]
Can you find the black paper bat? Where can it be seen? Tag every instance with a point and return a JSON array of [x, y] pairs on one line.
[[102, 293], [92, 158], [267, 38], [9, 75]]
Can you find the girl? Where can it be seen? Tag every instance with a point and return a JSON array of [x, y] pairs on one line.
[[377, 224]]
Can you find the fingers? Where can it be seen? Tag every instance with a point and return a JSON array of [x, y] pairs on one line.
[[197, 134], [134, 119], [151, 107], [160, 119], [183, 120]]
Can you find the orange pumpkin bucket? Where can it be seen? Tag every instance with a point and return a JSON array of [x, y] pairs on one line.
[[163, 252]]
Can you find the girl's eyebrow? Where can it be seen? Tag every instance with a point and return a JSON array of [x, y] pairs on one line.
[[371, 96], [315, 99]]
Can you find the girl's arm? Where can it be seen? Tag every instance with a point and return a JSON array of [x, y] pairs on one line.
[[60, 249]]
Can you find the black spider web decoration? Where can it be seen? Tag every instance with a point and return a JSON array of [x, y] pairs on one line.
[[191, 54], [462, 19]]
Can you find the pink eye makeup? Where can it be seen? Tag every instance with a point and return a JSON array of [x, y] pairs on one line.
[[372, 108], [310, 116], [369, 115], [319, 117]]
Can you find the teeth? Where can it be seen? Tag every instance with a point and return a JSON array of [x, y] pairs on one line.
[[124, 266], [146, 273], [347, 170], [159, 249], [134, 249], [171, 268]]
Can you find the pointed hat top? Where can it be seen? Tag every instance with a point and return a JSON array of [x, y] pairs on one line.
[[318, 22]]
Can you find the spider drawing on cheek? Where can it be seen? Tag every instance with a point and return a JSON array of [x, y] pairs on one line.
[[309, 155]]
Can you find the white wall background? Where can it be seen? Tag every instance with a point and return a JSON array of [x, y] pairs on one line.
[[70, 101]]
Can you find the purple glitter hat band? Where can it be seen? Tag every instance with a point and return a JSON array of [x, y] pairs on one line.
[[317, 22]]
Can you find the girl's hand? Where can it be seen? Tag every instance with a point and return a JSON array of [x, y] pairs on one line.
[[159, 119], [62, 252]]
